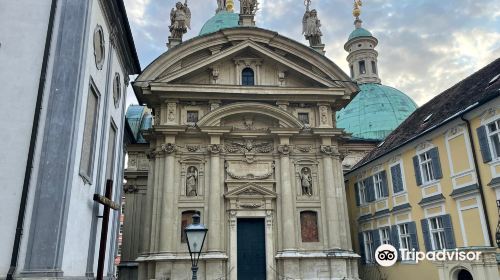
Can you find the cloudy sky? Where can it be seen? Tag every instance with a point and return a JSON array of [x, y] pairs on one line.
[[425, 46]]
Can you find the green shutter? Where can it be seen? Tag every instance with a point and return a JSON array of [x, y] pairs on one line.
[[376, 239], [412, 228], [397, 178], [356, 189], [436, 164], [395, 239], [418, 176], [448, 232], [361, 241], [484, 144], [426, 234]]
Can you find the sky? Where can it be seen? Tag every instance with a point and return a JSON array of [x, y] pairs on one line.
[[425, 46]]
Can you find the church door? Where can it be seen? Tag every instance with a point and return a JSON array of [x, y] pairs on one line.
[[251, 249]]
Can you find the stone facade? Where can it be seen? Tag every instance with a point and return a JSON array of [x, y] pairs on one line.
[[230, 151]]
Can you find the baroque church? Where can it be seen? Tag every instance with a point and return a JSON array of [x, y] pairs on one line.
[[247, 130]]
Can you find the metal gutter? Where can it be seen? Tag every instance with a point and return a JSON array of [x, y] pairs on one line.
[[33, 139]]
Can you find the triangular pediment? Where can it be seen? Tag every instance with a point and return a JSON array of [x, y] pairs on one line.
[[197, 70], [250, 190]]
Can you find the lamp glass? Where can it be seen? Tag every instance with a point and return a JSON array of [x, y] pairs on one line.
[[195, 239]]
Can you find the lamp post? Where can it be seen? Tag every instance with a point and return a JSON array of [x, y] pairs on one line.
[[195, 235]]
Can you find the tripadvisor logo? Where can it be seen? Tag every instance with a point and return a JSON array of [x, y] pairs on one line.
[[387, 255]]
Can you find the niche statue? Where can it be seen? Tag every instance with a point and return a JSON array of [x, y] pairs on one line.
[[306, 181], [192, 181]]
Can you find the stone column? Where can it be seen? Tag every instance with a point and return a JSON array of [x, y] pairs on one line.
[[287, 209], [215, 195], [331, 202], [341, 198], [167, 203]]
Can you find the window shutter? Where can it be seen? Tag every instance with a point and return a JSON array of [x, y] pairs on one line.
[[385, 189], [426, 233], [369, 189], [483, 143], [412, 228], [397, 178], [358, 199], [436, 164], [376, 239], [361, 241], [395, 239], [416, 166], [448, 232]]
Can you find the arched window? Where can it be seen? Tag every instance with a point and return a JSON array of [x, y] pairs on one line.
[[247, 77], [309, 226]]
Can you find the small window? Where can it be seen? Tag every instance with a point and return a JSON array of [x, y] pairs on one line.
[[369, 247], [362, 67], [362, 192], [89, 135], [374, 67], [304, 118], [247, 77], [426, 167], [385, 235], [494, 137], [437, 233], [379, 187], [404, 237], [352, 71], [192, 116]]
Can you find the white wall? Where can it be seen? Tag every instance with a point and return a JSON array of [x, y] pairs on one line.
[[23, 27]]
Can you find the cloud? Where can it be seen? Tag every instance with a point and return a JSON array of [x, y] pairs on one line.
[[424, 46]]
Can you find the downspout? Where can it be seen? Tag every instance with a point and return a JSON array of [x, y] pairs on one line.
[[478, 175], [31, 151]]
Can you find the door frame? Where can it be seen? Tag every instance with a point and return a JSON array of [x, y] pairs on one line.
[[269, 240]]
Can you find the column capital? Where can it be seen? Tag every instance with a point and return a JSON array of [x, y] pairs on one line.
[[329, 150], [215, 149], [169, 148], [285, 149]]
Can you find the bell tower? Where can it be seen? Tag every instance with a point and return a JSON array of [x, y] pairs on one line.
[[362, 56]]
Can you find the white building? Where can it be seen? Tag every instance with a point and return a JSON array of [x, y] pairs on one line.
[[64, 71]]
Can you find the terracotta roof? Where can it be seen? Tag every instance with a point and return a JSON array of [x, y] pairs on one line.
[[471, 92]]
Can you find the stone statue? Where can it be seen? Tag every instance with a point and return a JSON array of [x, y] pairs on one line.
[[248, 7], [221, 5], [311, 25], [192, 181], [306, 181], [180, 20]]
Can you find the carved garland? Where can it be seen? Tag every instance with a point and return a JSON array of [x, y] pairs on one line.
[[250, 176]]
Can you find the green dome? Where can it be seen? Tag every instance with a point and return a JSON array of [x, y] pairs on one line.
[[360, 32], [220, 21], [375, 112]]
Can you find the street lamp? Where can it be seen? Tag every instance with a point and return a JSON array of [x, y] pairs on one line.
[[195, 235]]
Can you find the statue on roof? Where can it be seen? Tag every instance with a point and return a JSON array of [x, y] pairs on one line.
[[248, 7], [221, 5], [180, 20], [311, 25]]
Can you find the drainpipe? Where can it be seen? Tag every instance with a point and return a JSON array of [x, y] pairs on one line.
[[478, 176], [31, 151]]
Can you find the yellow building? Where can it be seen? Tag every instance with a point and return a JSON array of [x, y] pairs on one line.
[[434, 184]]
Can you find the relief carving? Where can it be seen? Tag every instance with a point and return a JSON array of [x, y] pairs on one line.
[[215, 148], [328, 149], [284, 149], [249, 145], [304, 148], [171, 111], [168, 148], [192, 148]]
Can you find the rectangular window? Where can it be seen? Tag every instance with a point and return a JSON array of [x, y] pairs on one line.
[[426, 167], [304, 118], [89, 135], [404, 237], [362, 192], [385, 235], [362, 67], [437, 233], [379, 187], [110, 162], [192, 116], [374, 67], [352, 71], [369, 250], [494, 138]]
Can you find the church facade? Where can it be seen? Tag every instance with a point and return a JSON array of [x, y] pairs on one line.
[[244, 134]]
